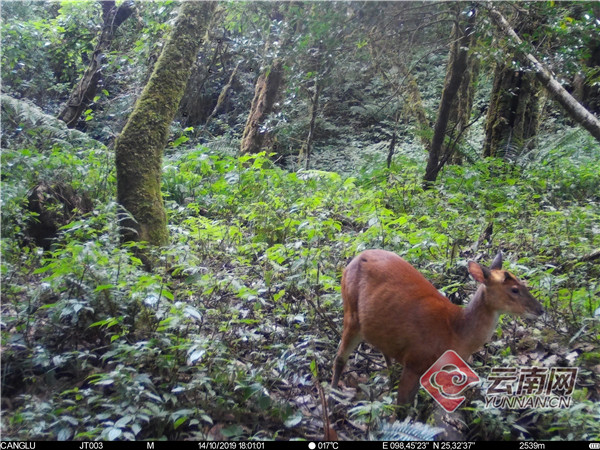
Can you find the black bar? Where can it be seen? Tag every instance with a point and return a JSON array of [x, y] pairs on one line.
[[304, 445]]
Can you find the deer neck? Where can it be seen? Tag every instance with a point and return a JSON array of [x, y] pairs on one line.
[[478, 322]]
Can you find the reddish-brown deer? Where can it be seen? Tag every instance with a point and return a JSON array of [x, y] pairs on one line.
[[390, 305]]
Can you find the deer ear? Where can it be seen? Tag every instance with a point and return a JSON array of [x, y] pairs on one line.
[[497, 262], [478, 272]]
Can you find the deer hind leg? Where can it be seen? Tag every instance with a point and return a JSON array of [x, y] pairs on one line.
[[350, 339]]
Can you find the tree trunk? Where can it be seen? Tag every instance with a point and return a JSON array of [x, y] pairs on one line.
[[513, 114], [415, 106], [265, 93], [575, 110], [196, 104], [462, 111], [314, 108], [85, 91], [222, 97], [457, 65], [391, 150], [139, 148], [585, 90]]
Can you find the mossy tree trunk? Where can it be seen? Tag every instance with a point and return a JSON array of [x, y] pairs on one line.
[[265, 94], [439, 153], [460, 116], [574, 109], [513, 114], [85, 91], [585, 87], [415, 107], [139, 148]]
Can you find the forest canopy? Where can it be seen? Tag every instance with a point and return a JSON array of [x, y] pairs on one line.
[[183, 184]]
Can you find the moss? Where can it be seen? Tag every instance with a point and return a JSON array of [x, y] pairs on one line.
[[513, 117], [139, 148]]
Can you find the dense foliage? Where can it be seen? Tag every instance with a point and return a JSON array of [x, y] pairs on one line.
[[232, 333]]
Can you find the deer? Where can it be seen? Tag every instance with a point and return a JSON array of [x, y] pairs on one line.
[[392, 306]]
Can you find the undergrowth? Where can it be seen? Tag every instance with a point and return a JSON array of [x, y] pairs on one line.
[[240, 318]]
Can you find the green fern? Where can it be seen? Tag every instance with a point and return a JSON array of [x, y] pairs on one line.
[[405, 431], [22, 120]]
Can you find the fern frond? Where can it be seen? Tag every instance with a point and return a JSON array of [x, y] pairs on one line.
[[28, 122], [405, 431]]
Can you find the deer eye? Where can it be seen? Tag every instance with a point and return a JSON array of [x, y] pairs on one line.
[[515, 290]]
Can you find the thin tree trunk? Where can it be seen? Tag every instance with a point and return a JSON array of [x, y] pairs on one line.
[[314, 109], [575, 110], [457, 66], [391, 150], [85, 91], [139, 148], [222, 97]]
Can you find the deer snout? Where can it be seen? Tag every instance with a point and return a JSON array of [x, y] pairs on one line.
[[534, 309]]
